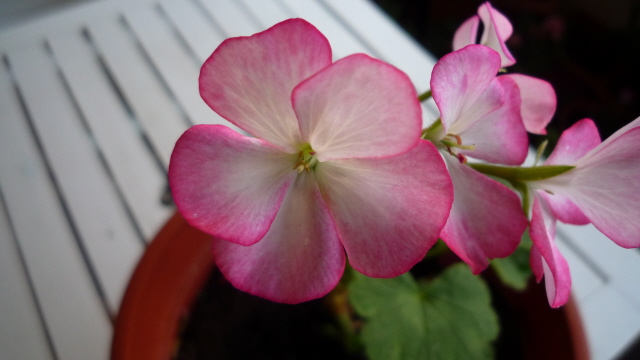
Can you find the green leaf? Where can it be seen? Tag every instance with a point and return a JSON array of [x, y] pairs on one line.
[[449, 317], [514, 270]]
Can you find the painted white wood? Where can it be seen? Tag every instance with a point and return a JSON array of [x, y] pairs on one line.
[[106, 232], [342, 42], [195, 28], [584, 280], [156, 109], [266, 12], [178, 69], [621, 266], [132, 164], [22, 336], [231, 17], [611, 323], [72, 309]]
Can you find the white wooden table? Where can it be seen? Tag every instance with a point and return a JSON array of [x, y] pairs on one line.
[[92, 99]]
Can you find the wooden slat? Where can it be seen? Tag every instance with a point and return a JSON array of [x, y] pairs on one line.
[[342, 42], [611, 323], [179, 70], [22, 336], [267, 12], [195, 28], [231, 17], [136, 172], [152, 105], [107, 234], [620, 266], [76, 319]]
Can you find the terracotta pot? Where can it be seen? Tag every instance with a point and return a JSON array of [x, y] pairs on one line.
[[178, 261], [166, 281]]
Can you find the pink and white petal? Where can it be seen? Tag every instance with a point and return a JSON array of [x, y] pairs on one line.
[[299, 259], [463, 87], [486, 219], [604, 185], [249, 80], [388, 211], [575, 143], [358, 107], [499, 136], [467, 33], [229, 185], [497, 29], [556, 270], [538, 102], [635, 123], [563, 209]]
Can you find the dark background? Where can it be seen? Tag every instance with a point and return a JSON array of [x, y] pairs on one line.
[[589, 50]]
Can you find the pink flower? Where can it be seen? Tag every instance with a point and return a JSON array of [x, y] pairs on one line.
[[333, 166], [497, 30], [537, 96], [480, 117], [602, 189]]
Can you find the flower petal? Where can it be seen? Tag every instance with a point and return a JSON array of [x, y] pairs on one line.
[[499, 136], [463, 86], [486, 219], [249, 80], [538, 102], [299, 259], [604, 185], [563, 209], [467, 33], [388, 211], [227, 184], [358, 107], [575, 143], [635, 123], [497, 29], [545, 252]]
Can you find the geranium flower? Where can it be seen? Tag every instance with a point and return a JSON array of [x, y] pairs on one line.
[[602, 189], [537, 96], [497, 30], [480, 118], [336, 165]]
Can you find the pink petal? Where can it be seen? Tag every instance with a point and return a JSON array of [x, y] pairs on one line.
[[463, 87], [635, 123], [497, 29], [299, 259], [499, 136], [467, 33], [388, 211], [249, 80], [358, 107], [545, 252], [538, 102], [574, 143], [227, 184], [486, 219], [604, 185], [563, 209]]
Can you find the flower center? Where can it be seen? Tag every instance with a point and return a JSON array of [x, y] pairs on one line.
[[307, 159], [453, 142]]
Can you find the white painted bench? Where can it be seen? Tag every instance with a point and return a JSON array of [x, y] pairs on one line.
[[92, 99]]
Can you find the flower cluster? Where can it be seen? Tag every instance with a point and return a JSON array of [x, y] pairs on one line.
[[337, 165]]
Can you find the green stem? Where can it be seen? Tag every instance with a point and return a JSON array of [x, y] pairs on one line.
[[424, 96], [516, 174]]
